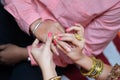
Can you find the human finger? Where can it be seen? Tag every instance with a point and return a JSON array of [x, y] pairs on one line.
[[35, 43], [69, 38], [78, 29], [49, 40], [60, 48], [65, 47], [54, 49]]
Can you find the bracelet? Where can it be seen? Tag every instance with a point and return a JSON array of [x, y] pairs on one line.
[[86, 73], [115, 73], [96, 69], [35, 28], [56, 78]]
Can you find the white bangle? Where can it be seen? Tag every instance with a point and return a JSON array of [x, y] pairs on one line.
[[28, 59], [35, 28]]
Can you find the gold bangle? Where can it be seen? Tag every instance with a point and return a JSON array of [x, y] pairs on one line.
[[55, 78], [96, 69], [87, 73]]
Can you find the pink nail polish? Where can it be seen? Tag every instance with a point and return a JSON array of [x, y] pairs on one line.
[[75, 23], [49, 34], [59, 38], [67, 29], [54, 42]]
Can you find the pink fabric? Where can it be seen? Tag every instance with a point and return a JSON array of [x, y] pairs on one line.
[[101, 18]]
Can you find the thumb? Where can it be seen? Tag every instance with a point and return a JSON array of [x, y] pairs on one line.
[[49, 40], [35, 43]]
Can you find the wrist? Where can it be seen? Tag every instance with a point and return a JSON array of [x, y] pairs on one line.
[[86, 62], [48, 72], [47, 65], [23, 53], [34, 26], [105, 72], [42, 29]]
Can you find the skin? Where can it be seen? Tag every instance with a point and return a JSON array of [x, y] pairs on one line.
[[44, 28], [43, 57], [75, 53], [12, 54], [72, 48]]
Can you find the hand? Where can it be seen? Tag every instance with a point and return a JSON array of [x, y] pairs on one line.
[[42, 54], [12, 54], [44, 57], [73, 47], [44, 28]]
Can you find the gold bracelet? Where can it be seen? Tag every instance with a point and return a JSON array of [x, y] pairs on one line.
[[56, 78], [96, 69], [87, 73]]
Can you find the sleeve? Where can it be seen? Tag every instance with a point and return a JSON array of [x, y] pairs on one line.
[[26, 12], [102, 30]]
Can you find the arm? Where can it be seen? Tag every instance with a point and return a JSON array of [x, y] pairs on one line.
[[102, 30], [12, 54], [92, 67], [86, 63], [23, 12], [43, 57]]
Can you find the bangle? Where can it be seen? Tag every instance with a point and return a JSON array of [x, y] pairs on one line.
[[115, 73], [96, 69], [55, 78], [87, 73], [35, 28]]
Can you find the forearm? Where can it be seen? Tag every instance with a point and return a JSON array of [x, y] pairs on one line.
[[48, 71], [24, 53], [24, 16], [86, 63], [106, 71]]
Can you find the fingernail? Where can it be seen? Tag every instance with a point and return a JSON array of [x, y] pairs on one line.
[[59, 38], [67, 29], [68, 49], [54, 42], [75, 23], [57, 53], [49, 34]]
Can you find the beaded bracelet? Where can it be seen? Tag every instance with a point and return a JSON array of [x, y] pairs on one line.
[[115, 73]]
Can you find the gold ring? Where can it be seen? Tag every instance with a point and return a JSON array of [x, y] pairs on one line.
[[54, 37], [78, 37]]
